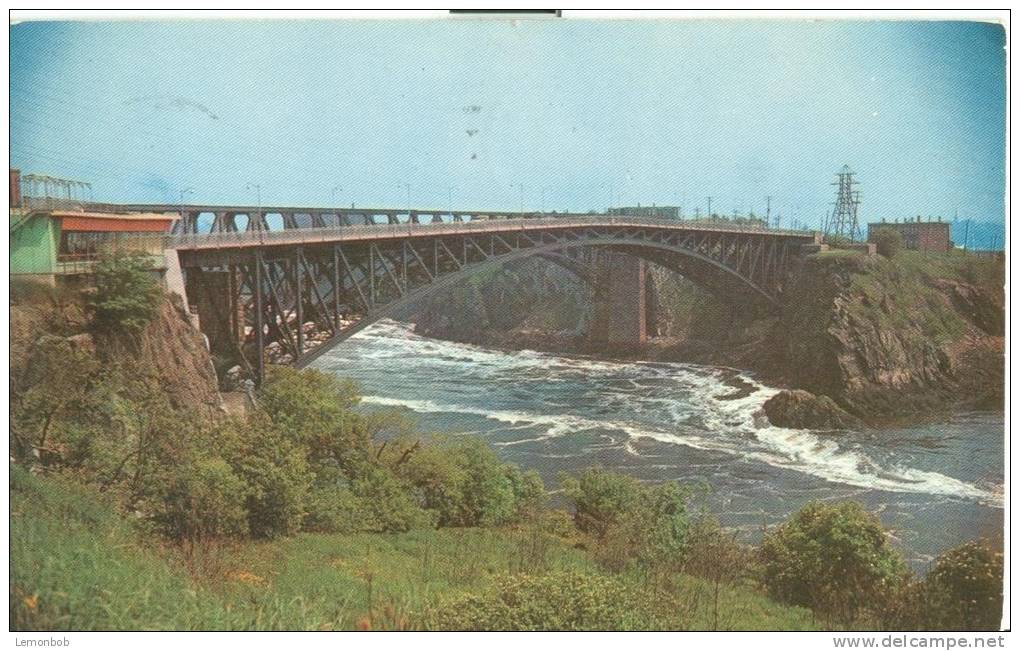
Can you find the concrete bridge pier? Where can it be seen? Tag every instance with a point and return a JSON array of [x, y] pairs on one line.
[[620, 312]]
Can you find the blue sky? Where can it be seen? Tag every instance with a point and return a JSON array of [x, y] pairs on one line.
[[468, 111]]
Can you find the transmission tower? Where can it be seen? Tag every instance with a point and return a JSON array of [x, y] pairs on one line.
[[843, 220]]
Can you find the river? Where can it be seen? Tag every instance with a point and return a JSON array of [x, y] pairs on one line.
[[934, 485]]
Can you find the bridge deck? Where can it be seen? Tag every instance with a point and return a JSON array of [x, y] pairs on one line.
[[290, 237]]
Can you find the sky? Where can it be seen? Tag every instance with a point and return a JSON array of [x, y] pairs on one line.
[[550, 114]]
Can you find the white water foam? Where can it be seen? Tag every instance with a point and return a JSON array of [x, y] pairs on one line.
[[732, 426]]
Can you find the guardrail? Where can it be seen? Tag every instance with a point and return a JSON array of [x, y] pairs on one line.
[[384, 231]]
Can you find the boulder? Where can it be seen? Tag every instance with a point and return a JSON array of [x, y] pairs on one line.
[[803, 410]]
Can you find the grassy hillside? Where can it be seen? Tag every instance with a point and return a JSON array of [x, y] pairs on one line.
[[77, 564]]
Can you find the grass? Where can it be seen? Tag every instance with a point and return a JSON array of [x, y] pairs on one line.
[[78, 565]]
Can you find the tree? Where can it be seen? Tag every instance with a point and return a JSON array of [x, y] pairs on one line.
[[887, 241], [834, 559], [127, 294]]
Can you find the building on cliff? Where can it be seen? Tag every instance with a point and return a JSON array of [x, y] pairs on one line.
[[917, 235], [53, 234]]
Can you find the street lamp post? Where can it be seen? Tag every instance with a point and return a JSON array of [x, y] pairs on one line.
[[258, 216], [184, 225], [336, 206]]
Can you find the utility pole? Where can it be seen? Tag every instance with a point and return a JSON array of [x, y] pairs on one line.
[[768, 208], [710, 207]]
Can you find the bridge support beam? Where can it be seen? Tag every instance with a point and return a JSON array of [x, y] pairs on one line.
[[620, 311], [215, 294]]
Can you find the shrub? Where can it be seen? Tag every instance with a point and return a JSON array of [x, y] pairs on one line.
[[201, 500], [335, 509], [887, 241], [834, 559], [466, 484], [313, 410], [127, 294], [388, 503], [631, 522], [278, 479], [559, 601], [53, 391], [964, 591], [601, 498]]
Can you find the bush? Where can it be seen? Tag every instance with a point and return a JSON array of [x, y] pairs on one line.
[[201, 500], [313, 410], [48, 406], [631, 522], [127, 295], [601, 498], [388, 503], [277, 475], [964, 591], [559, 601], [887, 241], [467, 485], [336, 509], [834, 559]]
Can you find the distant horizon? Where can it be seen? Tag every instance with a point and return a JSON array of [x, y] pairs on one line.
[[499, 114]]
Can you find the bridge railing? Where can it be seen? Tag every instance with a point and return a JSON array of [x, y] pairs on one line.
[[250, 238]]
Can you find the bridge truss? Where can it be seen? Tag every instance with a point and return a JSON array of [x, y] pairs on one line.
[[293, 296]]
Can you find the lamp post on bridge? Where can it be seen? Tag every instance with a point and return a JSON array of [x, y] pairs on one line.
[[185, 191], [258, 215], [520, 186], [336, 206]]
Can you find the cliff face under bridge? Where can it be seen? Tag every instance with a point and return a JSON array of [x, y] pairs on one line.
[[884, 339]]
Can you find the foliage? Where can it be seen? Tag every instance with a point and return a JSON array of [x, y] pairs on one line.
[[467, 485], [313, 410], [388, 503], [200, 500], [75, 565], [127, 295], [631, 522], [834, 559], [601, 499], [888, 242], [964, 591], [55, 388], [567, 601], [276, 472]]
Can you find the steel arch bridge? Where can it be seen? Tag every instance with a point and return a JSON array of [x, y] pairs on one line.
[[295, 293]]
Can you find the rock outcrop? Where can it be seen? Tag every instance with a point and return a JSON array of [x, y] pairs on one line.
[[798, 409], [169, 352]]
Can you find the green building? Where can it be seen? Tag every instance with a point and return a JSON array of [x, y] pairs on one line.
[[34, 240]]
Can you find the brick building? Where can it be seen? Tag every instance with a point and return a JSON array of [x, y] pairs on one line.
[[918, 235]]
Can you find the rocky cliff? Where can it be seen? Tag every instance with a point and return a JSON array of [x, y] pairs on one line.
[[169, 352], [885, 338]]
